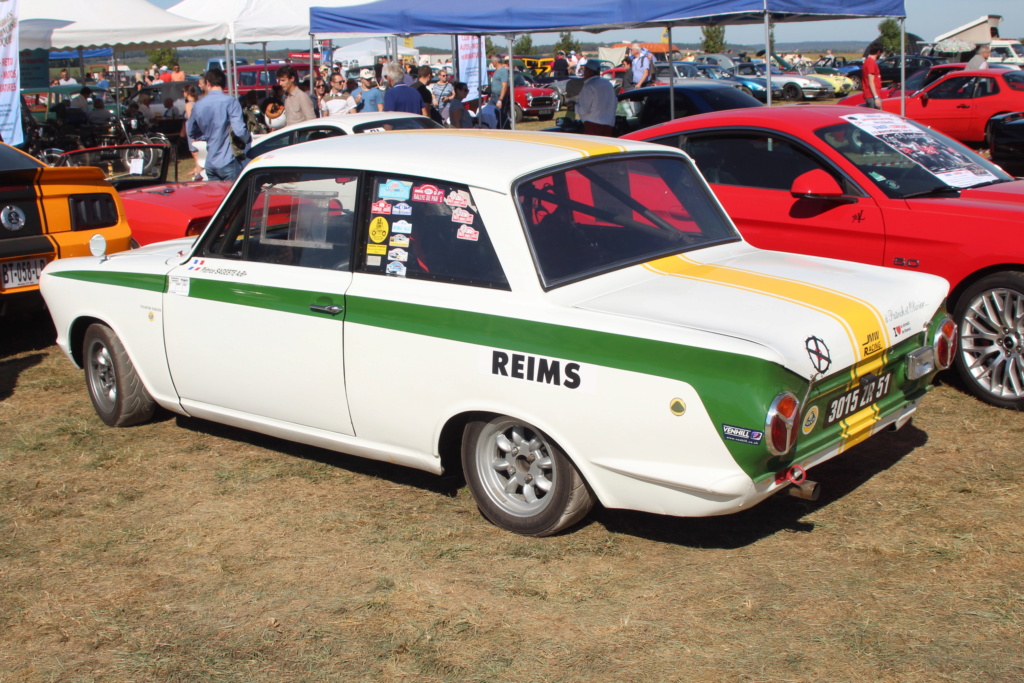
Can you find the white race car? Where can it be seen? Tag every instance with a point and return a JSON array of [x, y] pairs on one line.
[[566, 319]]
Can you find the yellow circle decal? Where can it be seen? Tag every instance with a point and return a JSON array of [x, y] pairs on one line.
[[677, 406], [379, 229], [810, 420]]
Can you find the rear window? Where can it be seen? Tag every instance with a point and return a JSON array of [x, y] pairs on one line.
[[1015, 79], [597, 217], [14, 160], [411, 123]]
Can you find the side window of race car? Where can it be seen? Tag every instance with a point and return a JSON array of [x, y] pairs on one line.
[[426, 229], [752, 159], [291, 217]]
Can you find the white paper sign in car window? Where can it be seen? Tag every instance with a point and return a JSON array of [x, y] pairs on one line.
[[936, 157]]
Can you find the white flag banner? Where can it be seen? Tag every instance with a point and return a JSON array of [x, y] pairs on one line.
[[472, 65], [10, 74]]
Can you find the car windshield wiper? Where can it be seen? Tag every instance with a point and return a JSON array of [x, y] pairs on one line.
[[995, 181], [935, 191]]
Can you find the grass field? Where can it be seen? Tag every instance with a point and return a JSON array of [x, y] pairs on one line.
[[186, 551]]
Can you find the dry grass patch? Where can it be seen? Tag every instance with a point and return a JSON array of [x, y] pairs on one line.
[[187, 551]]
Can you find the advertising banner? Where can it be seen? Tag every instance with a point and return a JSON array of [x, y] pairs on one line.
[[10, 82], [472, 65]]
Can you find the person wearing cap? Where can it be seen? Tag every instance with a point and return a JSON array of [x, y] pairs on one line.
[[165, 75], [980, 58], [597, 101], [574, 61], [560, 65], [370, 96]]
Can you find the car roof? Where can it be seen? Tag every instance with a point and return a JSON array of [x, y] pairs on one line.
[[491, 159], [791, 119], [349, 121]]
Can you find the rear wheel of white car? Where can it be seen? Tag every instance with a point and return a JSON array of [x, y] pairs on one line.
[[792, 91], [990, 315], [520, 479], [115, 389]]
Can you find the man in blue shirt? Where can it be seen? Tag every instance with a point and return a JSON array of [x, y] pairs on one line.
[[401, 97], [215, 116], [643, 66], [371, 97]]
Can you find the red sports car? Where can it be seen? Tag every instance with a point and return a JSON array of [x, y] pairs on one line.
[[962, 103], [869, 186]]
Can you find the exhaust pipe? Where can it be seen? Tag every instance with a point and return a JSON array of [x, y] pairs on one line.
[[805, 490], [799, 486]]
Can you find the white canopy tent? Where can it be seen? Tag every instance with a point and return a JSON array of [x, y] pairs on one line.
[[60, 24], [365, 52]]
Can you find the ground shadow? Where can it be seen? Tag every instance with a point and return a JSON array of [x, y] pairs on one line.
[[27, 332], [782, 512], [11, 369], [447, 485]]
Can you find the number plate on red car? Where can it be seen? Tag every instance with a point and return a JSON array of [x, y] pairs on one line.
[[859, 398]]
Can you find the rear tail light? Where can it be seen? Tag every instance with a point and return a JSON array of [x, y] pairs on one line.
[[781, 425], [196, 226], [945, 343]]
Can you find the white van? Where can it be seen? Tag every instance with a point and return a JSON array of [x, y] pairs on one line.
[[221, 63], [1007, 51]]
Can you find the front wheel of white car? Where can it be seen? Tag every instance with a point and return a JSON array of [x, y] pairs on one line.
[[520, 479], [990, 314], [115, 389]]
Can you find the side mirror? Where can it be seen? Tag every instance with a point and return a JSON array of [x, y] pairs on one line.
[[924, 99], [816, 184]]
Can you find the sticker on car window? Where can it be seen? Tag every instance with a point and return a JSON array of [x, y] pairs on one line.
[[401, 209], [398, 255], [396, 268], [399, 240], [456, 198], [432, 194], [380, 206], [404, 227], [462, 216], [379, 229], [395, 189]]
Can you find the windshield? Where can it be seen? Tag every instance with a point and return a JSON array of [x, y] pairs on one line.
[[125, 166], [905, 159], [597, 217]]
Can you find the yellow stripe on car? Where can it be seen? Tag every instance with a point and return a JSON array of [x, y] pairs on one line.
[[863, 323], [586, 147]]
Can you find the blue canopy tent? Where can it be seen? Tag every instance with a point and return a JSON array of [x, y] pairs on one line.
[[399, 17]]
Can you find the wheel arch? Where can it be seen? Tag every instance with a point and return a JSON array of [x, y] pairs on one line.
[[76, 336], [957, 291], [449, 442]]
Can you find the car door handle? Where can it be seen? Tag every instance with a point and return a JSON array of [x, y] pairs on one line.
[[963, 106], [332, 309]]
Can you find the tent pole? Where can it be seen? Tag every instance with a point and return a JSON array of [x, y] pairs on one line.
[[266, 67], [117, 87], [312, 69], [511, 84], [671, 77], [903, 66], [81, 65], [767, 53], [227, 61]]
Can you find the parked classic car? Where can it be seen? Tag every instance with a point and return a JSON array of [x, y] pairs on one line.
[[919, 80], [873, 187], [49, 213], [751, 85], [512, 307], [794, 86], [962, 104]]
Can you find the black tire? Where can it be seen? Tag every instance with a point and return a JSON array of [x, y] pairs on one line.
[[990, 358], [517, 111], [114, 387], [792, 91], [520, 479], [545, 117], [746, 91]]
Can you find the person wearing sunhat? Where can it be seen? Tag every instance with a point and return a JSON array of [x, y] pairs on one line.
[[370, 97], [597, 101]]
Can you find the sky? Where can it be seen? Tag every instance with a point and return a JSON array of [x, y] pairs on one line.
[[926, 18]]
